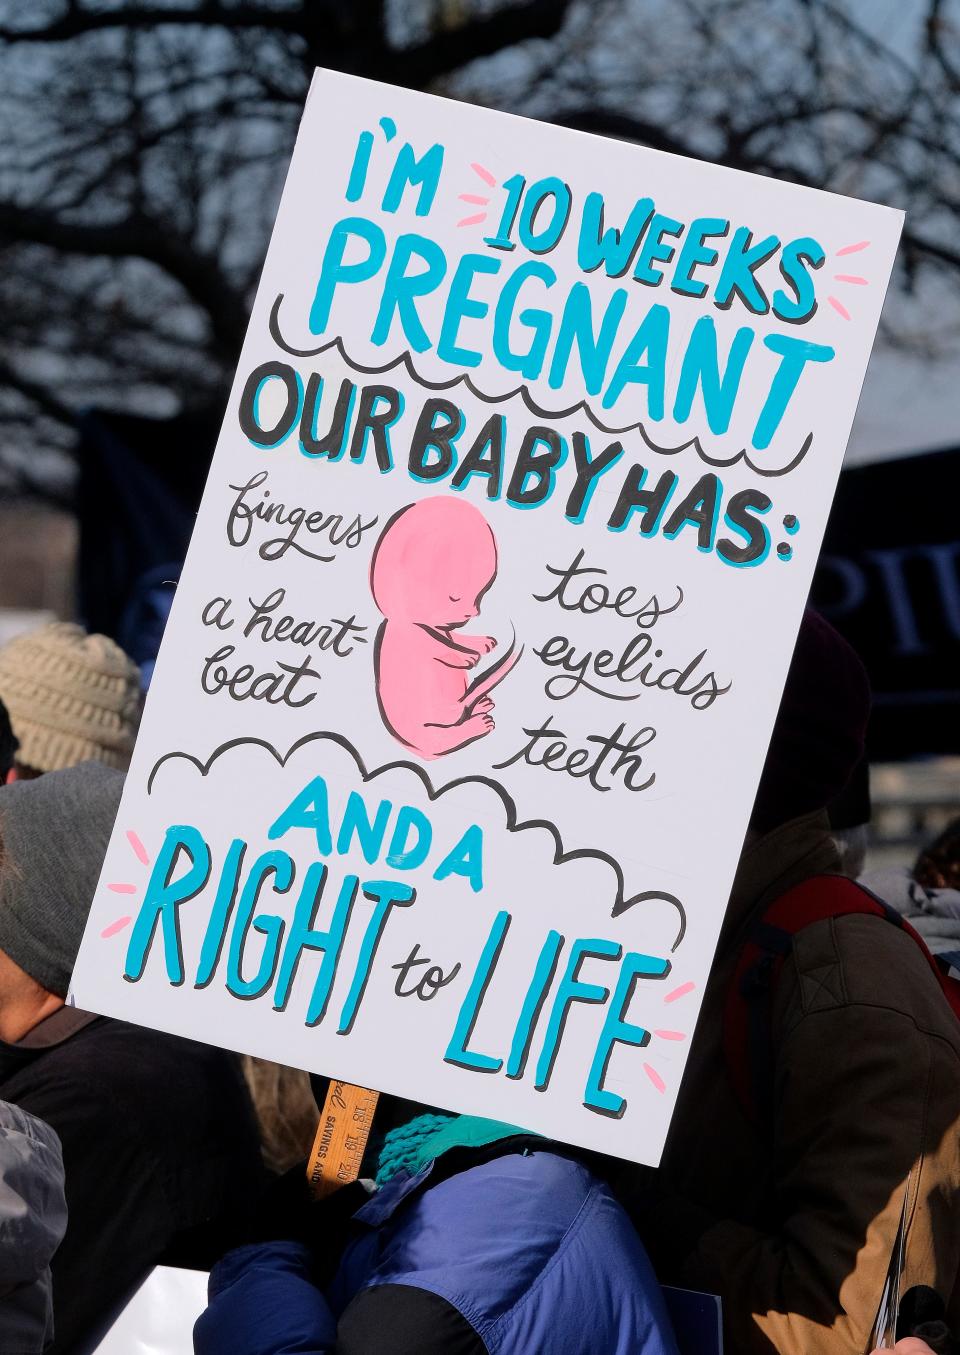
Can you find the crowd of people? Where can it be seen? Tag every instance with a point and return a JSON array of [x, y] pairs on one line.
[[815, 1149]]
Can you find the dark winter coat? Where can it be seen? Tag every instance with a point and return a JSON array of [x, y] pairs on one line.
[[157, 1134]]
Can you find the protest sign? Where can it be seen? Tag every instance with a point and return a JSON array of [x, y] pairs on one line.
[[454, 734]]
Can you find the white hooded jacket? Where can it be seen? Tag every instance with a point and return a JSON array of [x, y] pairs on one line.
[[934, 913]]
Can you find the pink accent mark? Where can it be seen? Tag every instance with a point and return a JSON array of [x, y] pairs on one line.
[[115, 927], [670, 1034], [682, 991], [851, 277], [655, 1077], [839, 307], [123, 888], [476, 198], [853, 249], [472, 220], [141, 851], [485, 174], [431, 567]]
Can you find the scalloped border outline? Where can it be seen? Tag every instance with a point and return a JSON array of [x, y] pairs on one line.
[[405, 360], [514, 825]]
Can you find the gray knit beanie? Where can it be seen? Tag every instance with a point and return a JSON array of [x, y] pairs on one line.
[[72, 697], [53, 837]]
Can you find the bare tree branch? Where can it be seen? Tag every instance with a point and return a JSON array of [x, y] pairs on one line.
[[139, 185], [452, 48], [327, 28], [39, 394], [76, 22], [142, 238]]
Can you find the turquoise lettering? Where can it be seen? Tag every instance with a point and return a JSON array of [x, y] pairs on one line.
[[310, 809], [356, 824], [794, 355], [572, 989], [461, 306], [618, 1031], [402, 854], [701, 370], [386, 894], [539, 322], [269, 925], [465, 859], [409, 171], [576, 326], [650, 341], [457, 1051], [162, 899], [736, 275], [401, 289], [611, 248], [333, 270]]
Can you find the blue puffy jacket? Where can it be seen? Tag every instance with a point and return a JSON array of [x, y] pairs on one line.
[[526, 1254]]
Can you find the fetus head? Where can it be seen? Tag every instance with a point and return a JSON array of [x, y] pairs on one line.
[[433, 563]]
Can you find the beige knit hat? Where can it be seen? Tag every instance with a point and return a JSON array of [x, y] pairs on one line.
[[72, 697]]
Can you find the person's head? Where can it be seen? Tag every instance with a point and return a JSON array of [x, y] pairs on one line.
[[8, 746], [938, 865], [71, 697], [819, 734], [54, 831], [849, 814]]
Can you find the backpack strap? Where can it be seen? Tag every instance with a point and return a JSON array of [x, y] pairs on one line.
[[748, 1013]]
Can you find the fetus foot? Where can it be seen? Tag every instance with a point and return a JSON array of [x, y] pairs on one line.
[[476, 726]]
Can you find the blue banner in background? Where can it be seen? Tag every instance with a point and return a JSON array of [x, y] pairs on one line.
[[889, 580]]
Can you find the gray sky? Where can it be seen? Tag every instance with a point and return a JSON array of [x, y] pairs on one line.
[[909, 403]]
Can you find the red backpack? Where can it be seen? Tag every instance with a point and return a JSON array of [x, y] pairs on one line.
[[748, 1014]]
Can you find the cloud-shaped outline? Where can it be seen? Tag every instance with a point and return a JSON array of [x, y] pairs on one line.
[[560, 856], [405, 360]]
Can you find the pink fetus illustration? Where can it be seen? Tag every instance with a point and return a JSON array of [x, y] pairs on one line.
[[433, 563]]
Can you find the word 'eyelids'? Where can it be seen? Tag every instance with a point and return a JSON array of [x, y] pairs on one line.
[[524, 469], [582, 588]]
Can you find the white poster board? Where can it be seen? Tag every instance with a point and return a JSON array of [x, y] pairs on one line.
[[455, 731], [157, 1318]]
